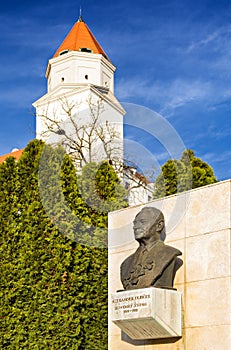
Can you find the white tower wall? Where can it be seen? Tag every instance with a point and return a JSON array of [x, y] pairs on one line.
[[83, 101], [80, 68]]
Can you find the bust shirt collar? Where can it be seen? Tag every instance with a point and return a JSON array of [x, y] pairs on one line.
[[150, 246]]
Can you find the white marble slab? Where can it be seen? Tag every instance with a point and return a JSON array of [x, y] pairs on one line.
[[148, 313]]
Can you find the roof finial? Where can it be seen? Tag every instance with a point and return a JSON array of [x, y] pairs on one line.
[[80, 14]]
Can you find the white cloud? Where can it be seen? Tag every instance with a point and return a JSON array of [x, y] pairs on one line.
[[217, 38], [26, 33], [214, 50], [22, 97], [214, 158], [181, 92], [203, 42], [168, 95]]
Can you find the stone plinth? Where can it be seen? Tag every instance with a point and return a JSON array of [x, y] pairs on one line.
[[148, 313]]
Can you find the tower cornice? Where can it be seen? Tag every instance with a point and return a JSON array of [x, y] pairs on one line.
[[77, 55]]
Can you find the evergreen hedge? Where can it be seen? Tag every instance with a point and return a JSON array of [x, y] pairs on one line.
[[53, 291]]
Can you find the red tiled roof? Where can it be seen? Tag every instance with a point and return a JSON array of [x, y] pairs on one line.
[[142, 178], [16, 154], [80, 37]]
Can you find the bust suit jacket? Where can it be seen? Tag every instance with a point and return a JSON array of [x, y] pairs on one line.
[[150, 267]]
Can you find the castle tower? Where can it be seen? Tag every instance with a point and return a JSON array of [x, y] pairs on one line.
[[80, 84]]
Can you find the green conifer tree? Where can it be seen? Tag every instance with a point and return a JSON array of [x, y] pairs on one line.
[[184, 174], [54, 293], [9, 195]]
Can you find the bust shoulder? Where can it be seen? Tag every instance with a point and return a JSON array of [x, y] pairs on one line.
[[160, 245]]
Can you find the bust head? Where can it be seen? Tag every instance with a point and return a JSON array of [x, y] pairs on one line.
[[154, 262], [148, 225]]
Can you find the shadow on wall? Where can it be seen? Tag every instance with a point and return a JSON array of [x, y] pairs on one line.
[[127, 339]]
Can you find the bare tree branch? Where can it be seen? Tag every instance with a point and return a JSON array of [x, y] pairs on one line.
[[85, 134]]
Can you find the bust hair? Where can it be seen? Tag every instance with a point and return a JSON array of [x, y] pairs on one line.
[[154, 212]]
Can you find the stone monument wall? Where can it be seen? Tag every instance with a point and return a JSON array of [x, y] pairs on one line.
[[198, 223]]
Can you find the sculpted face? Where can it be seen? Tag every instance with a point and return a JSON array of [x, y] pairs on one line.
[[144, 226]]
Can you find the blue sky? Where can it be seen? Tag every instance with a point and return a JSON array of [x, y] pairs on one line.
[[173, 57]]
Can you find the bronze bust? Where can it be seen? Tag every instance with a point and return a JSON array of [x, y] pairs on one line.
[[154, 263]]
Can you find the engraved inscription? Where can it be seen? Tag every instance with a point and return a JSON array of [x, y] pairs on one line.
[[131, 304]]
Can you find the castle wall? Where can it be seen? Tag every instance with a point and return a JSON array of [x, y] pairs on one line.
[[198, 223]]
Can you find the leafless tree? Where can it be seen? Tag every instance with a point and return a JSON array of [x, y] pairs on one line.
[[84, 137]]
